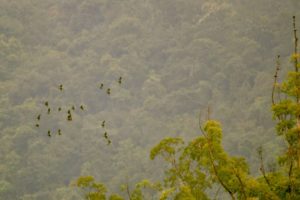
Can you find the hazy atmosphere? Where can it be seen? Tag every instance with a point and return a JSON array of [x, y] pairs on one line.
[[126, 99]]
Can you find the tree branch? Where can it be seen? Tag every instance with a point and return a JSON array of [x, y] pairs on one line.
[[262, 167], [275, 79]]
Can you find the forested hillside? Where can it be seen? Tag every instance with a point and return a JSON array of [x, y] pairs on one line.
[[176, 58]]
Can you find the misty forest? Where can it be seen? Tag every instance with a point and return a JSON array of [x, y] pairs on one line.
[[149, 100]]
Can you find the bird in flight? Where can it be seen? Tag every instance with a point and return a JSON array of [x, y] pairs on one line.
[[49, 133], [101, 86], [46, 103], [108, 91], [105, 135], [69, 118], [120, 80], [108, 142], [103, 124], [81, 107], [61, 87], [38, 117]]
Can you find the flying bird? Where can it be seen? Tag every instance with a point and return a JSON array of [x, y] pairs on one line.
[[105, 135], [38, 117], [101, 86], [81, 107], [103, 124], [108, 91], [46, 103], [49, 133], [120, 80], [61, 87], [69, 117]]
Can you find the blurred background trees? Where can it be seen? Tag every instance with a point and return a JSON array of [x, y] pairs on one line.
[[176, 57]]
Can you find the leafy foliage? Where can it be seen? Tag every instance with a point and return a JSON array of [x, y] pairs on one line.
[[174, 56], [204, 163]]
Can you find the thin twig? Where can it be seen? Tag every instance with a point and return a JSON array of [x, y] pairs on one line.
[[208, 112], [291, 185], [242, 184], [127, 189], [275, 79], [200, 125], [296, 44], [217, 174], [262, 167]]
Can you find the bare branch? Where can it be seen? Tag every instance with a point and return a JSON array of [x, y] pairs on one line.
[[296, 45], [262, 167], [200, 125], [276, 79]]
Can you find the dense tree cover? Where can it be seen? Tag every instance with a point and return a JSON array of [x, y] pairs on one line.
[[203, 163], [175, 56]]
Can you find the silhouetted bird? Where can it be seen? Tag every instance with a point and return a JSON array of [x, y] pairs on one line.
[[81, 107], [120, 80], [49, 133], [105, 135], [108, 142], [69, 117], [59, 132], [103, 124], [49, 110], [59, 109], [101, 86], [37, 125], [108, 91], [60, 87], [46, 103], [38, 117]]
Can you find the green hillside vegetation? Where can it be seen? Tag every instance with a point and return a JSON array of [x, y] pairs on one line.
[[176, 58], [203, 163]]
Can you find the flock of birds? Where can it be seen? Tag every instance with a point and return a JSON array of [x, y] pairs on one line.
[[72, 109]]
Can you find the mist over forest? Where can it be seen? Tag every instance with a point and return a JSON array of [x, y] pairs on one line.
[[89, 87]]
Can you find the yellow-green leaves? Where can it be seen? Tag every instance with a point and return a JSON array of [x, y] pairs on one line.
[[291, 86], [166, 148], [213, 130], [94, 190], [285, 107], [115, 197], [184, 193], [166, 193]]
